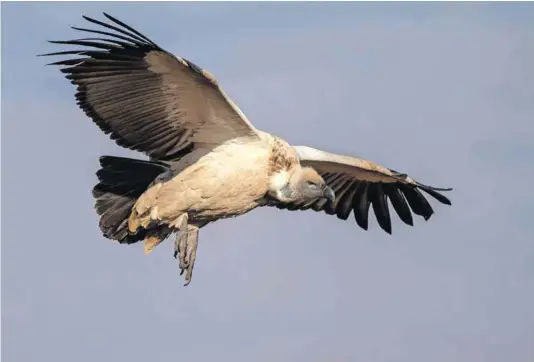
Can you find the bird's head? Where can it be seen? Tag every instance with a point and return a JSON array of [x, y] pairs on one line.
[[303, 185]]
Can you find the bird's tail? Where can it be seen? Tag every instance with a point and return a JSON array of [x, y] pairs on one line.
[[121, 182]]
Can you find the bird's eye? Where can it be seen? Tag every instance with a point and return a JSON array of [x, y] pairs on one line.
[[310, 183]]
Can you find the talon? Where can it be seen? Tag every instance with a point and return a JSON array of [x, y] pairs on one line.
[[188, 275], [187, 280]]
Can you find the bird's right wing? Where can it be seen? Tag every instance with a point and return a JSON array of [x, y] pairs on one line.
[[146, 98], [359, 184]]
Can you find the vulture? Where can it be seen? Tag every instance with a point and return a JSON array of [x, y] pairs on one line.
[[206, 161]]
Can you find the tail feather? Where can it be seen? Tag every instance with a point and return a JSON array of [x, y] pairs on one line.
[[121, 181]]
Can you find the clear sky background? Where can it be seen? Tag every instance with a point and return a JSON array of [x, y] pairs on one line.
[[444, 92]]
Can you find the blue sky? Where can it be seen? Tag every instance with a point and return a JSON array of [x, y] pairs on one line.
[[441, 91]]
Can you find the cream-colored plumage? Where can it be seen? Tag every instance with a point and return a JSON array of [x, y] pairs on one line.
[[207, 161], [215, 186]]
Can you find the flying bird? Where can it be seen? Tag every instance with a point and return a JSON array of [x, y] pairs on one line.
[[206, 160]]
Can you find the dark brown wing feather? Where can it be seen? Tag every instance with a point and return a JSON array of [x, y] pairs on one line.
[[359, 196], [147, 99], [360, 185]]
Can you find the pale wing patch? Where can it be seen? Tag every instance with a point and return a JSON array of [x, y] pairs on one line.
[[358, 168]]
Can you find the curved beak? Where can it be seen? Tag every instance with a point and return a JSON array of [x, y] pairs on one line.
[[329, 194]]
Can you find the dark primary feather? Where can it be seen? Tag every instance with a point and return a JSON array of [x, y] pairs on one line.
[[359, 197]]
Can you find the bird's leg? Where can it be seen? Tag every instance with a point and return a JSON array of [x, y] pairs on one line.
[[185, 246], [191, 251]]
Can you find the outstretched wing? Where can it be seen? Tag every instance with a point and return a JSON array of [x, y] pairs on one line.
[[358, 184], [146, 98]]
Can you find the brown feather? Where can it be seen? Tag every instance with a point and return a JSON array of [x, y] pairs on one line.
[[360, 184], [148, 99]]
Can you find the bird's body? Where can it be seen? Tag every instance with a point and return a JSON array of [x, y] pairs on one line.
[[207, 161], [231, 180]]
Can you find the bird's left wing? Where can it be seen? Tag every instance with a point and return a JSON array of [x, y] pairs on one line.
[[359, 183]]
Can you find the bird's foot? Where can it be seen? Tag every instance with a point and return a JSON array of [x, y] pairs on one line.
[[185, 250]]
